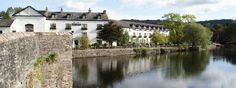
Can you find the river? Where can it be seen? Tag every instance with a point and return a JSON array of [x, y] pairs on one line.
[[208, 69]]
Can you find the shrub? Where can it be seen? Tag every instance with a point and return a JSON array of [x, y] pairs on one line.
[[140, 51]]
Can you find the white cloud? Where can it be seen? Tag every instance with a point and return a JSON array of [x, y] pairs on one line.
[[188, 6], [81, 4]]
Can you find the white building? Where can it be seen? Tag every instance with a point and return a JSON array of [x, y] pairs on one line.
[[142, 31], [77, 23]]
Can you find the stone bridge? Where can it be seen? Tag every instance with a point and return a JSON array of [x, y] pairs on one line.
[[19, 52]]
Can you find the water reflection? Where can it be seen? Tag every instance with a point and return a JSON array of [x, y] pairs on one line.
[[177, 70]]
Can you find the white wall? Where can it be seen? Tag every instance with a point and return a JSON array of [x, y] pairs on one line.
[[148, 33], [5, 29], [19, 23], [91, 25]]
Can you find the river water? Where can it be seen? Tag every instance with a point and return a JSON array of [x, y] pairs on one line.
[[208, 69]]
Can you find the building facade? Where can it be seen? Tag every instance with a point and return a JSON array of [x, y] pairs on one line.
[[141, 32], [77, 23]]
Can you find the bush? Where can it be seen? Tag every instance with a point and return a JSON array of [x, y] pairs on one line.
[[50, 59], [140, 51]]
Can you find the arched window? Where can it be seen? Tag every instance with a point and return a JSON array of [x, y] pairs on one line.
[[29, 28]]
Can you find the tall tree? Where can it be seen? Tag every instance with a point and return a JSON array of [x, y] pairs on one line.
[[84, 41], [176, 23], [124, 39], [110, 33], [197, 35]]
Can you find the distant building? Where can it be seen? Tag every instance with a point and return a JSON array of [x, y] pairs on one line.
[[142, 31], [77, 23]]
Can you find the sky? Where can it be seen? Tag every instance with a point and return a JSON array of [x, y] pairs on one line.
[[136, 9]]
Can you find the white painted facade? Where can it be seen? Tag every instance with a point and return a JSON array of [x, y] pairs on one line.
[[142, 32], [41, 24]]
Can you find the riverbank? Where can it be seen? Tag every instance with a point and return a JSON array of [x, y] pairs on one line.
[[120, 51]]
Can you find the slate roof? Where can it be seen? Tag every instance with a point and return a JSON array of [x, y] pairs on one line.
[[128, 24], [61, 15], [75, 15], [5, 23]]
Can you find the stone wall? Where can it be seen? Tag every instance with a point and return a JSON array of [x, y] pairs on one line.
[[19, 51], [119, 52], [109, 52]]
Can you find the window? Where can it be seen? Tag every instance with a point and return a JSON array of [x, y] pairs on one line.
[[53, 16], [29, 28], [99, 26], [1, 32], [134, 35], [140, 36], [52, 26], [68, 27], [84, 33], [84, 27], [99, 17]]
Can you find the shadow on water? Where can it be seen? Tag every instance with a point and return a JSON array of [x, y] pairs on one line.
[[107, 72]]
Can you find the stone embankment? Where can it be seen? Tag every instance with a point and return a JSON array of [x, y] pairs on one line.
[[119, 52], [19, 52]]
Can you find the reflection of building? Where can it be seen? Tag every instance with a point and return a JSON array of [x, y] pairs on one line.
[[142, 31], [78, 23]]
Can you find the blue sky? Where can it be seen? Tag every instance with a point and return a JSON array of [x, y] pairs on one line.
[[137, 9]]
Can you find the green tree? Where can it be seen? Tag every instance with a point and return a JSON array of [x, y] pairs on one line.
[[231, 34], [158, 38], [176, 23], [84, 42], [197, 35], [9, 12], [110, 33], [124, 39]]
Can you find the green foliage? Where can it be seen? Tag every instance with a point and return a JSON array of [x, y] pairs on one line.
[[158, 38], [84, 42], [176, 23], [140, 51], [124, 39], [197, 35], [39, 61], [176, 36], [51, 58], [9, 12], [231, 34], [110, 33]]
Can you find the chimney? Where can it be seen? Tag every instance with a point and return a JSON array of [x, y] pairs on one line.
[[89, 11], [46, 11], [104, 11], [61, 10]]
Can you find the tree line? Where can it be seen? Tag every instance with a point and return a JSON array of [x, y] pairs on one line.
[[7, 15]]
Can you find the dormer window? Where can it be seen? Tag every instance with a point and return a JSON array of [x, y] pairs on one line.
[[99, 17], [83, 17], [68, 16], [53, 15]]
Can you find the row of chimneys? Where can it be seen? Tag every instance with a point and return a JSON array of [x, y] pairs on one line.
[[89, 11]]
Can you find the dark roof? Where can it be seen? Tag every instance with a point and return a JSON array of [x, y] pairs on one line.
[[75, 15], [26, 8], [144, 21], [127, 24], [6, 23]]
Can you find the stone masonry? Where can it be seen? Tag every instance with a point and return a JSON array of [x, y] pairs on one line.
[[18, 52]]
